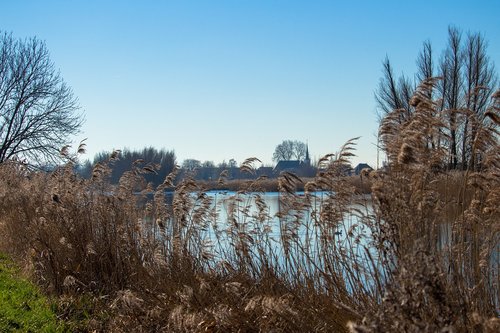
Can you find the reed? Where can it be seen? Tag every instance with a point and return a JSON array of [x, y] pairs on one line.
[[418, 255], [361, 182]]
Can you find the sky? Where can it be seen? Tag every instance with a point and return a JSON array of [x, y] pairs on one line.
[[218, 80]]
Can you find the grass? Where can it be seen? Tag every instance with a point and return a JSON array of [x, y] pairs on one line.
[[419, 255], [23, 308]]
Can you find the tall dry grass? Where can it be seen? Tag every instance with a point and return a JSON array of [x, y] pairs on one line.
[[438, 231], [170, 266], [419, 255], [361, 182]]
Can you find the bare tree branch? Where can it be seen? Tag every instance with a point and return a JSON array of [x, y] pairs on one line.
[[467, 79], [38, 110], [288, 150]]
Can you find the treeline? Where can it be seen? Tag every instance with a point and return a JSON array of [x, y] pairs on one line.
[[209, 171], [159, 163]]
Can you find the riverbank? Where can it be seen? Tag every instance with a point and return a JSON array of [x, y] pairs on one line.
[[23, 308], [117, 261], [361, 185]]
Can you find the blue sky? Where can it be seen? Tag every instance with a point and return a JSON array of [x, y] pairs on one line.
[[215, 80]]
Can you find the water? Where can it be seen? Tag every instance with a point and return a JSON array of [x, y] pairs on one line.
[[300, 234], [302, 217]]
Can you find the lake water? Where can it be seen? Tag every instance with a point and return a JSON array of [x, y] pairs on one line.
[[293, 233], [299, 232]]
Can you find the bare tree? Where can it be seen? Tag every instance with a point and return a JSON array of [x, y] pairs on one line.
[[425, 63], [299, 151], [451, 85], [288, 150], [191, 164], [37, 108], [425, 72], [283, 151], [232, 163], [467, 80], [393, 93], [480, 80]]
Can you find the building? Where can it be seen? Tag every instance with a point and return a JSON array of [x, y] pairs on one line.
[[357, 170], [297, 167], [289, 166]]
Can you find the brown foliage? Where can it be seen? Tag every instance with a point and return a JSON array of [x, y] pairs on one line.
[[420, 255]]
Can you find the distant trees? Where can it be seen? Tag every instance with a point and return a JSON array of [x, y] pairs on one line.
[[288, 150], [467, 80], [191, 164], [207, 170], [232, 163], [37, 108], [161, 161]]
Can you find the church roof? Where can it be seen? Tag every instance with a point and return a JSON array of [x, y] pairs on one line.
[[361, 166], [287, 165]]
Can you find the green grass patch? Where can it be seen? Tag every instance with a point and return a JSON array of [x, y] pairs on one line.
[[23, 308]]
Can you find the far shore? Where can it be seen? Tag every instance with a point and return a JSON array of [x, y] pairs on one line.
[[363, 186]]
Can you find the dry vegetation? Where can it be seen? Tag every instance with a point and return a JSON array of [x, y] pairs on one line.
[[422, 255], [362, 184]]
